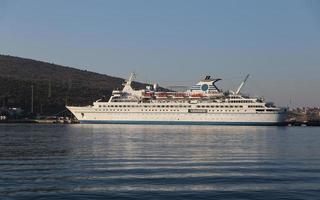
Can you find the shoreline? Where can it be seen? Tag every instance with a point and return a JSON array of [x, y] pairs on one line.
[[37, 121], [47, 121]]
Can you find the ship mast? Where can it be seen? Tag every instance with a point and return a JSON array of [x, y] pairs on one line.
[[127, 84], [132, 77], [242, 84]]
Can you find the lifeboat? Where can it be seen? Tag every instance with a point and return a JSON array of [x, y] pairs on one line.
[[179, 95], [161, 95], [197, 95], [147, 95]]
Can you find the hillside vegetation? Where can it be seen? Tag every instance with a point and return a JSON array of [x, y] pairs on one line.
[[54, 85]]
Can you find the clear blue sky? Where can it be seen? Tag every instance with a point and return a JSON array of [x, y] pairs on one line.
[[174, 42]]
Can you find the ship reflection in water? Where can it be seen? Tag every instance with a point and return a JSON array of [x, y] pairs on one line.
[[133, 161]]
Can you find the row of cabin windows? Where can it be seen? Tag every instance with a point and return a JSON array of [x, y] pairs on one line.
[[217, 106], [225, 110], [111, 110], [167, 106], [146, 106], [165, 110], [152, 110], [255, 106], [120, 106], [161, 101], [181, 106], [146, 110], [242, 101], [268, 110], [172, 106]]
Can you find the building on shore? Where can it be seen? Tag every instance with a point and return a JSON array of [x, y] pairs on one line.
[[305, 114]]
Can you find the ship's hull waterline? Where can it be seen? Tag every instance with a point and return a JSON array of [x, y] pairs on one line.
[[167, 118], [184, 123]]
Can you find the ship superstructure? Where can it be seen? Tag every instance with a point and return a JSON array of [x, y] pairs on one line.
[[203, 103]]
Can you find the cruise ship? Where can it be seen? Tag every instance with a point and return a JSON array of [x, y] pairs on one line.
[[202, 104]]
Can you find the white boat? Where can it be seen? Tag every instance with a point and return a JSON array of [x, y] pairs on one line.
[[204, 103]]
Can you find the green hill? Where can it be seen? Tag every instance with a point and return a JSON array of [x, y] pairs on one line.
[[54, 85]]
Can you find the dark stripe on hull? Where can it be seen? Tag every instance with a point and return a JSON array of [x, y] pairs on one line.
[[184, 123]]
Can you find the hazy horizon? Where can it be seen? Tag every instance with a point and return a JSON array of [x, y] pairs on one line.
[[176, 42]]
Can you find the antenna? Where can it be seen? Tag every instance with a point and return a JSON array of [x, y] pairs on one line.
[[242, 84]]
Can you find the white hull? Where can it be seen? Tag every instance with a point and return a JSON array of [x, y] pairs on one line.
[[88, 115]]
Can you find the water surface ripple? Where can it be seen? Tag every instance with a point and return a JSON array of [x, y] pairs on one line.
[[158, 162]]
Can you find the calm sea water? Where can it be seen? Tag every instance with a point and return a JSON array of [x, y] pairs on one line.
[[158, 162]]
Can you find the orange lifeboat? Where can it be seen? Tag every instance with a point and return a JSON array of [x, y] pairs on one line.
[[197, 95], [179, 95], [161, 95], [147, 94]]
